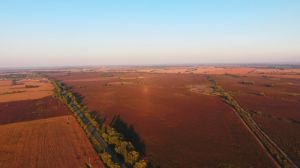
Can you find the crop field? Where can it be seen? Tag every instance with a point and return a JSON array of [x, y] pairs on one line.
[[51, 142], [149, 84], [274, 103], [182, 123], [173, 116], [36, 130], [24, 89]]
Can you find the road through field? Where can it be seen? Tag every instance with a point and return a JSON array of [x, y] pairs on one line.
[[41, 132], [173, 119], [91, 130]]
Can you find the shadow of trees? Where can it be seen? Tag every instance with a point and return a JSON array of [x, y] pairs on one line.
[[99, 119], [78, 97], [129, 134]]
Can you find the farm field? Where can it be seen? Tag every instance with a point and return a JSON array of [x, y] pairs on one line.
[[36, 130], [182, 123], [290, 72], [24, 89], [274, 103], [150, 84]]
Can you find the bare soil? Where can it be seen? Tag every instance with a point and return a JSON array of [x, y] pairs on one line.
[[274, 104], [8, 92], [36, 130], [181, 128], [47, 143]]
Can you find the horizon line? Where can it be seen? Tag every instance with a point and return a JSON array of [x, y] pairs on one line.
[[154, 64]]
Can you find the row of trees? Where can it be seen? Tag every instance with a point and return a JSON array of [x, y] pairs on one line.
[[129, 133], [114, 151], [85, 120]]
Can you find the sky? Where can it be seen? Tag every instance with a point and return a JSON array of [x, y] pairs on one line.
[[142, 32]]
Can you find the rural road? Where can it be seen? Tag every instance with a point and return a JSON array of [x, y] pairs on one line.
[[92, 131]]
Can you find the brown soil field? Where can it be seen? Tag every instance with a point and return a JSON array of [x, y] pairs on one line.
[[182, 124], [9, 92], [274, 104], [41, 132], [47, 143], [26, 110]]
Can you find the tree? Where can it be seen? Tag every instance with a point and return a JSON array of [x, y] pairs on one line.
[[140, 164]]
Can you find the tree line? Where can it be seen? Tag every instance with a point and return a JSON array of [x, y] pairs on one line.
[[272, 148], [112, 147]]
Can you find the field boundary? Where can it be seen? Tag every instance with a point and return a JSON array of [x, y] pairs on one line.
[[95, 138], [277, 154]]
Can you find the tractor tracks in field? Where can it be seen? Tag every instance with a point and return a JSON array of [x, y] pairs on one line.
[[278, 156]]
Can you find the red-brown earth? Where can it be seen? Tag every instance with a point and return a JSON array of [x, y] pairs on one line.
[[274, 103], [26, 110], [181, 127], [42, 133]]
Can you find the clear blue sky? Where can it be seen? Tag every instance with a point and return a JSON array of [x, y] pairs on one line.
[[61, 32]]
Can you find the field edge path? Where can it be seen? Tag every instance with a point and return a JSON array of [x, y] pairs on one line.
[[277, 155]]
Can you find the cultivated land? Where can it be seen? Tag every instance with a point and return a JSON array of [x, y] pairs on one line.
[[24, 89], [274, 103], [181, 121], [187, 116], [36, 130]]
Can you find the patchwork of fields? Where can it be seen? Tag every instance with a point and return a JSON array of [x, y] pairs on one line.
[[36, 130], [174, 116]]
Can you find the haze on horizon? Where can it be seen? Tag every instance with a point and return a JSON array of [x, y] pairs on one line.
[[56, 33]]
